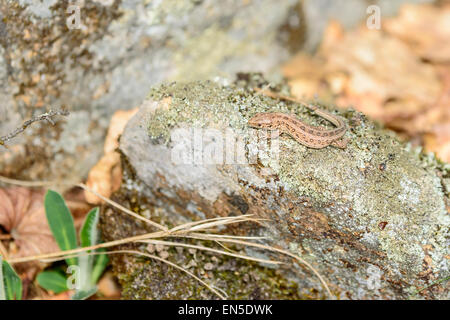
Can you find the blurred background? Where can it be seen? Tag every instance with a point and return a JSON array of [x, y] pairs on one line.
[[389, 59]]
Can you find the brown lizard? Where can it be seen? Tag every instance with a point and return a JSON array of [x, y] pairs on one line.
[[310, 136]]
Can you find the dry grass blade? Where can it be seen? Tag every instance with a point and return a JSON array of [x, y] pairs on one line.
[[63, 254], [122, 208], [222, 223], [194, 223], [224, 236], [158, 234], [257, 245], [224, 246], [30, 184], [193, 246]]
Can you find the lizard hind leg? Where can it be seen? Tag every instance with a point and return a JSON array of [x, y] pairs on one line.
[[340, 143]]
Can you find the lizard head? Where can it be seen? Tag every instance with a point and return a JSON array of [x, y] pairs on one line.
[[260, 121]]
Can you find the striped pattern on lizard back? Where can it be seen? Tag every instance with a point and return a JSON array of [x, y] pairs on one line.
[[307, 135]]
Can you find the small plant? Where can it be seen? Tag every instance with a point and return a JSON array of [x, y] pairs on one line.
[[10, 283], [85, 268]]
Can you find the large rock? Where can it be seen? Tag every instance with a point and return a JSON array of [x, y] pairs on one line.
[[372, 218]]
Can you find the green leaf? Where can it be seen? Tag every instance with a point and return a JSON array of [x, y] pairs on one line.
[[2, 281], [52, 281], [100, 264], [61, 223], [11, 284], [89, 234], [84, 294]]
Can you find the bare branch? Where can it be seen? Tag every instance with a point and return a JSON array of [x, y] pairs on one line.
[[46, 116]]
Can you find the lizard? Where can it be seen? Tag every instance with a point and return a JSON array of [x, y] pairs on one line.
[[307, 135]]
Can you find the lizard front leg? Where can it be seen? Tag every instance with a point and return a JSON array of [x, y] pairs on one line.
[[340, 143]]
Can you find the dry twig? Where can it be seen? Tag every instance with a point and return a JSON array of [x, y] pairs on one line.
[[43, 117]]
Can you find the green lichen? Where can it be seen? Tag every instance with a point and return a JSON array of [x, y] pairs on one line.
[[208, 104]]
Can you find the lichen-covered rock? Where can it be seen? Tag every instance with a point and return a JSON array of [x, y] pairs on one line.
[[372, 218]]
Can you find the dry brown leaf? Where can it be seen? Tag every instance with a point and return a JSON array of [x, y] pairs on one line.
[[425, 28], [66, 295], [369, 70], [381, 74], [302, 65], [22, 214], [62, 296], [101, 179], [303, 73], [436, 122], [107, 287], [105, 177], [439, 141], [118, 122]]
